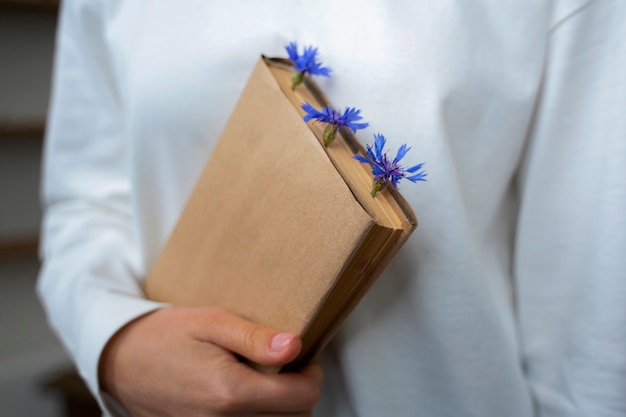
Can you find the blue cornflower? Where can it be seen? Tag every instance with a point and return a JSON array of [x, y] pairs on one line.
[[387, 171], [305, 63], [334, 119]]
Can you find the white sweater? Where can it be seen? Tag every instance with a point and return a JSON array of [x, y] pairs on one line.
[[509, 299]]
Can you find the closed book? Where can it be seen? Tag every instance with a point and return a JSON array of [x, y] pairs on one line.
[[279, 228]]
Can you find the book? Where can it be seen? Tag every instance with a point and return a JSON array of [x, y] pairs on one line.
[[278, 228]]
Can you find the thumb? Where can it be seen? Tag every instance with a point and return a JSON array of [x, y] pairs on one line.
[[257, 343]]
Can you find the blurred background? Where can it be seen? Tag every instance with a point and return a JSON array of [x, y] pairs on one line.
[[36, 376]]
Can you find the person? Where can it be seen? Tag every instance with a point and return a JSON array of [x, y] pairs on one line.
[[508, 300]]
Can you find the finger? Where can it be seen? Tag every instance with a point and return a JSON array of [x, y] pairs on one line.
[[282, 393], [257, 343]]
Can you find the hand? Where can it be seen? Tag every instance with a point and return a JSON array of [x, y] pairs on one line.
[[182, 362]]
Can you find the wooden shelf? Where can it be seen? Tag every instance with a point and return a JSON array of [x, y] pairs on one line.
[[26, 129], [19, 248], [51, 6]]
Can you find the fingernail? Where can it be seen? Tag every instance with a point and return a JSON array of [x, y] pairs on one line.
[[280, 341]]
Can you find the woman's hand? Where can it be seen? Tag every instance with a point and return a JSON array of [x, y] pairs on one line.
[[182, 362]]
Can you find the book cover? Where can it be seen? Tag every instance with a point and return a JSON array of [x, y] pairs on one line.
[[278, 228]]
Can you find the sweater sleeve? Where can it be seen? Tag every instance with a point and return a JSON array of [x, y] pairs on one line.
[[90, 281]]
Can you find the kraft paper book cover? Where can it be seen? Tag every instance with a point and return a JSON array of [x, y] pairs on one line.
[[278, 228]]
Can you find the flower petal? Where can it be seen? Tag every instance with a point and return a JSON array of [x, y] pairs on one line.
[[401, 152], [421, 176], [311, 112], [292, 51], [362, 159], [415, 167], [379, 144]]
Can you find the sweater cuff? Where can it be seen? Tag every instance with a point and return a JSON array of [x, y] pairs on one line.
[[105, 318]]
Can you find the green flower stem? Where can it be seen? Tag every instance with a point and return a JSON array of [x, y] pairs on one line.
[[329, 134], [296, 79], [376, 187]]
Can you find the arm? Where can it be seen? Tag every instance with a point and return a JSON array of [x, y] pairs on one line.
[[90, 281]]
